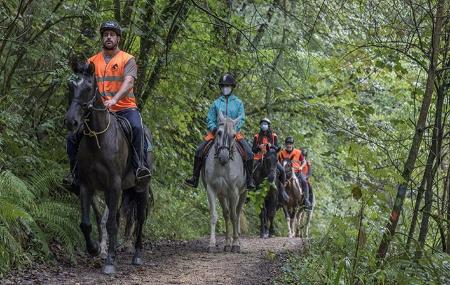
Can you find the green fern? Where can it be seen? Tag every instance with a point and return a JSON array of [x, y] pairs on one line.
[[15, 189]]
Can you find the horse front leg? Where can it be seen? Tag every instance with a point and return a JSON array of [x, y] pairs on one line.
[[226, 217], [112, 201], [213, 220], [263, 232], [85, 225], [233, 201], [142, 204], [104, 234]]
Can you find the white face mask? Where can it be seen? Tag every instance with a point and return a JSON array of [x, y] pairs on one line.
[[226, 90], [264, 127]]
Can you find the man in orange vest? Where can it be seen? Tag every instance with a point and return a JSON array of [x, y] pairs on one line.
[[262, 141], [115, 72], [298, 163]]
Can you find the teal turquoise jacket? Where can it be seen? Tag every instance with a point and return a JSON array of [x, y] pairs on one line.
[[231, 107]]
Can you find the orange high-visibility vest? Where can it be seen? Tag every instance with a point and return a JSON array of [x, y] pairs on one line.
[[110, 78], [306, 167], [295, 156], [265, 141]]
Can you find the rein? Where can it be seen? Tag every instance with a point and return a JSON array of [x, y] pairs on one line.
[[91, 108]]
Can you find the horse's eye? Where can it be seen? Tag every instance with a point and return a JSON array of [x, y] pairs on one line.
[[219, 133]]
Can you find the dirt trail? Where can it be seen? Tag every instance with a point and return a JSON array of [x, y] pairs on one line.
[[184, 262]]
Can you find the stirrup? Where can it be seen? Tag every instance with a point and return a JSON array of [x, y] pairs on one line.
[[143, 172]]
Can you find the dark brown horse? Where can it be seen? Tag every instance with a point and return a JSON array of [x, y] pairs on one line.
[[297, 217], [104, 164], [267, 168]]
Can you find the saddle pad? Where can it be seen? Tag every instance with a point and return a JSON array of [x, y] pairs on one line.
[[126, 127], [207, 148], [241, 151], [128, 131]]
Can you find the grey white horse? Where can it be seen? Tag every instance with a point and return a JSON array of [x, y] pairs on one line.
[[224, 177]]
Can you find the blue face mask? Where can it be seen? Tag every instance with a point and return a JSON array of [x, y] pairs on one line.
[[264, 127]]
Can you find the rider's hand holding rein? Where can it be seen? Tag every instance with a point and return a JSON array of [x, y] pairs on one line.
[[125, 87]]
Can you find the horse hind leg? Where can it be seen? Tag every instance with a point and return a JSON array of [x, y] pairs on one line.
[[86, 198], [141, 211]]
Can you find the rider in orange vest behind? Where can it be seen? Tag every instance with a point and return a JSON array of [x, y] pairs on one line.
[[264, 139], [307, 171], [298, 163]]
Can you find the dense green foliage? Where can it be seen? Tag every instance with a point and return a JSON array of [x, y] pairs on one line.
[[345, 78]]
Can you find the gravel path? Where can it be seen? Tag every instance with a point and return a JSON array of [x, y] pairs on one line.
[[180, 262]]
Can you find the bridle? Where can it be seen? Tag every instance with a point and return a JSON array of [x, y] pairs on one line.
[[88, 108], [224, 146]]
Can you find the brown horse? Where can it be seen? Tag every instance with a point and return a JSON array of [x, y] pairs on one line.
[[104, 164], [294, 211]]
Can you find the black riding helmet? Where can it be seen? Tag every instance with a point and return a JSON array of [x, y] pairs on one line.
[[111, 26], [289, 140], [227, 80]]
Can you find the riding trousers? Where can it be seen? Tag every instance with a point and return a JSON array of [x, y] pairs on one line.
[[304, 184], [139, 142], [245, 145]]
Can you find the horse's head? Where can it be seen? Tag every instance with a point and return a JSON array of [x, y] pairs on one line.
[[269, 163], [225, 138], [81, 95], [287, 165]]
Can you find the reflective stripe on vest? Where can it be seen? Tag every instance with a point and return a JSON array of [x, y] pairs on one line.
[[265, 140], [110, 78]]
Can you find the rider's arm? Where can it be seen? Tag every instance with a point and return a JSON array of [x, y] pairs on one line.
[[303, 161], [211, 118], [309, 170], [255, 146], [241, 113]]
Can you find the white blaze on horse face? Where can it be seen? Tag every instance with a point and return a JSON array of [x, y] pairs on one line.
[[79, 82]]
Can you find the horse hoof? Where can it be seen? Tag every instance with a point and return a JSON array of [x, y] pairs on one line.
[[212, 249], [227, 248], [236, 249], [109, 269], [94, 250], [137, 261]]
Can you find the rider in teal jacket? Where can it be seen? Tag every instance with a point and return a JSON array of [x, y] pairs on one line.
[[232, 107]]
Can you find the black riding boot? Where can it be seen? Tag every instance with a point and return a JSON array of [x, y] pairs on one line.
[[193, 181], [249, 170], [71, 180]]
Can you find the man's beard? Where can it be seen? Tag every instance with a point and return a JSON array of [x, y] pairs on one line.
[[110, 48]]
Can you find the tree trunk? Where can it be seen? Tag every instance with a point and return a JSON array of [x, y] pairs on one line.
[[435, 151], [417, 139]]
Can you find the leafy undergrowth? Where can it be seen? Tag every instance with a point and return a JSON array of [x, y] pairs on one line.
[[330, 259]]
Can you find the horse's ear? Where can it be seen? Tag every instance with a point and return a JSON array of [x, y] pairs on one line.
[[220, 116], [74, 64], [91, 68]]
